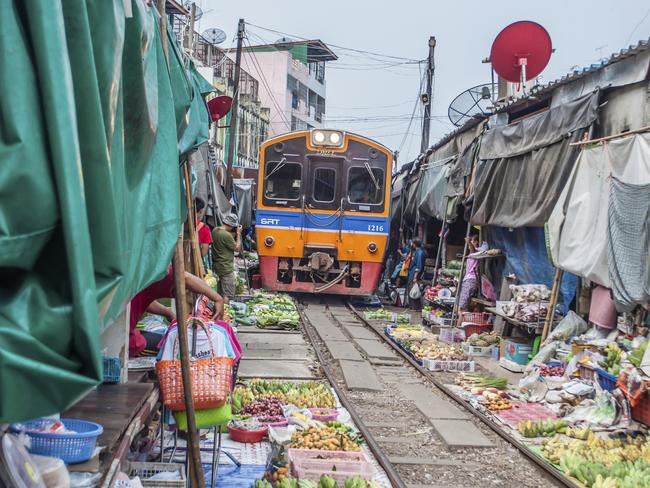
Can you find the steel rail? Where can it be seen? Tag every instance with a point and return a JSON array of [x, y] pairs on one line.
[[457, 398], [387, 466]]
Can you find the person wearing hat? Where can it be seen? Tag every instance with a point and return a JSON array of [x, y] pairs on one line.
[[224, 246]]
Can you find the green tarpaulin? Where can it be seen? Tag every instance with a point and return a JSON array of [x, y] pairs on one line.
[[92, 124]]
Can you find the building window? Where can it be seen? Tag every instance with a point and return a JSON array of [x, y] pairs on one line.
[[317, 70]]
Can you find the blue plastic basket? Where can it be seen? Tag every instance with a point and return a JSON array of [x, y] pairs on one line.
[[607, 381], [71, 448], [112, 370]]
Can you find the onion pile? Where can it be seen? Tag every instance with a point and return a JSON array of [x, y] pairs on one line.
[[264, 407]]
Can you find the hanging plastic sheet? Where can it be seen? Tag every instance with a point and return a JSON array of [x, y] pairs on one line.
[[90, 182], [243, 189], [526, 258], [524, 166], [577, 231], [432, 190]]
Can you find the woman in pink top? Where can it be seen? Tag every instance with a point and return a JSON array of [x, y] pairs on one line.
[[469, 286]]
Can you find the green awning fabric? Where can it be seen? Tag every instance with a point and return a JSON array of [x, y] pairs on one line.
[[92, 124]]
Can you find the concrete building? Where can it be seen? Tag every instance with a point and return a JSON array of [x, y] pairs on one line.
[[292, 79]]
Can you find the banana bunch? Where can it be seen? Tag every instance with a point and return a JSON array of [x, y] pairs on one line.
[[577, 433], [545, 428], [613, 362]]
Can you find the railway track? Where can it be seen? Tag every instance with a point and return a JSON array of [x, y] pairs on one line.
[[421, 433]]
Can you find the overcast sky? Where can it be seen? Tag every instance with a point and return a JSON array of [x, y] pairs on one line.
[[374, 96]]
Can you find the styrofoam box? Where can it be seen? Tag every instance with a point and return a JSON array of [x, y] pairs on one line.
[[451, 335], [477, 351], [442, 365]]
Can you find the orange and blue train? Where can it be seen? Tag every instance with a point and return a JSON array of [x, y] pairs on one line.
[[323, 212]]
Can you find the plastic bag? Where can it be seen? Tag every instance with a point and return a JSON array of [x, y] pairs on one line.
[[570, 326], [530, 293], [544, 355], [601, 411], [532, 387], [415, 292]]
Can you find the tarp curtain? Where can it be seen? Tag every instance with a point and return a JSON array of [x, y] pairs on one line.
[[579, 231], [243, 189], [526, 258], [524, 166], [432, 190], [90, 188]]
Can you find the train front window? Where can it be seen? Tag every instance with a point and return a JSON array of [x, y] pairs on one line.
[[282, 180], [365, 185], [324, 185]]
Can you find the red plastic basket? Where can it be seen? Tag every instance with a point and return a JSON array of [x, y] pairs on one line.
[[639, 402], [471, 328], [478, 318], [247, 436]]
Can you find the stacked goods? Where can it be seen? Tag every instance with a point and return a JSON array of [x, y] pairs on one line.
[[529, 302], [269, 407], [602, 463], [551, 370], [301, 395], [495, 400], [383, 314], [433, 349], [325, 438], [324, 482], [476, 383], [542, 428]]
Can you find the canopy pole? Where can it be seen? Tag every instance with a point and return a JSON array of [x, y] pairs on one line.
[[195, 251], [615, 136], [555, 291], [454, 311], [442, 234]]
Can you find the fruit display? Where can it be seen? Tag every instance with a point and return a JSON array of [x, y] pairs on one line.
[[613, 362], [542, 428], [549, 370], [426, 346], [302, 395], [602, 463], [383, 314], [485, 339], [264, 407], [324, 482], [325, 438], [577, 433], [274, 311], [476, 383], [495, 401]]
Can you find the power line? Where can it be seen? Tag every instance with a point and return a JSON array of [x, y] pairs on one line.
[[637, 26], [360, 51]]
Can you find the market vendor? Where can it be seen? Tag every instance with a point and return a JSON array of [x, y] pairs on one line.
[[416, 268], [470, 282], [202, 229], [146, 301], [224, 246]]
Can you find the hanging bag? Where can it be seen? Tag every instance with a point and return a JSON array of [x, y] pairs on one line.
[[405, 266], [210, 378]]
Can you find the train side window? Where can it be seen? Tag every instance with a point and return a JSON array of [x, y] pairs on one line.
[[365, 185], [324, 185], [282, 180]]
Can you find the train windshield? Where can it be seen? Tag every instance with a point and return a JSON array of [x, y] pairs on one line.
[[282, 180], [366, 185], [324, 185]]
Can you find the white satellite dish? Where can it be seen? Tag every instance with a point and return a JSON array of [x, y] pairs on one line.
[[214, 35]]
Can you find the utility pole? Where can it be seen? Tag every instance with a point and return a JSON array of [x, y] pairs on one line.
[[190, 36], [232, 131], [426, 99]]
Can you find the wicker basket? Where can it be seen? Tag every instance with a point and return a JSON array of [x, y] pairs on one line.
[[147, 470]]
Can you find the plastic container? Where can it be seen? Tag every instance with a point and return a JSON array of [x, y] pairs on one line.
[[147, 470], [53, 471], [331, 415], [451, 335], [280, 423], [517, 351], [639, 402], [112, 370], [71, 448], [443, 322], [311, 464], [471, 328], [607, 381], [442, 365], [247, 436], [478, 318], [485, 351], [586, 372]]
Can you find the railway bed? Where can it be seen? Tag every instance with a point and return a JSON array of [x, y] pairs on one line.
[[418, 432]]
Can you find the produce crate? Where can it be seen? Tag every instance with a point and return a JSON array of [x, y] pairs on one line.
[[639, 402], [112, 370], [607, 381], [451, 335], [147, 470], [471, 328], [586, 372], [478, 318], [443, 365], [478, 351], [311, 464], [443, 322]]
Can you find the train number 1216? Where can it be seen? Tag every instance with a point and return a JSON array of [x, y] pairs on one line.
[[375, 228]]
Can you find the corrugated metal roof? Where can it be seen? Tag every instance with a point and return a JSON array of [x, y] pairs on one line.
[[632, 50]]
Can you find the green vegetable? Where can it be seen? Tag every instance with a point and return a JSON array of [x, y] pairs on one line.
[[636, 355]]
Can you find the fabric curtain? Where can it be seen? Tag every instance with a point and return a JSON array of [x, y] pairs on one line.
[[524, 166], [90, 186]]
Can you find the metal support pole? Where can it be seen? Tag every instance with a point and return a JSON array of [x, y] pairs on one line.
[[426, 123], [442, 234], [232, 131], [550, 315], [459, 288]]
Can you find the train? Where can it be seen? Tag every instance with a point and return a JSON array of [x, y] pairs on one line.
[[322, 217]]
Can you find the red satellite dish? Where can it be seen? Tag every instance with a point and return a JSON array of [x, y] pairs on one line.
[[219, 107], [521, 51]]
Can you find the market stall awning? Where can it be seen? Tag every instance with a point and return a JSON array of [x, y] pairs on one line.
[[91, 190], [524, 166]]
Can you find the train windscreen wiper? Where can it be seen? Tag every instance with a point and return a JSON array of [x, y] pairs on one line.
[[372, 175]]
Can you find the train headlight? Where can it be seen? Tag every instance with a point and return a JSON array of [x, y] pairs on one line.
[[269, 241], [326, 138], [372, 247]]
